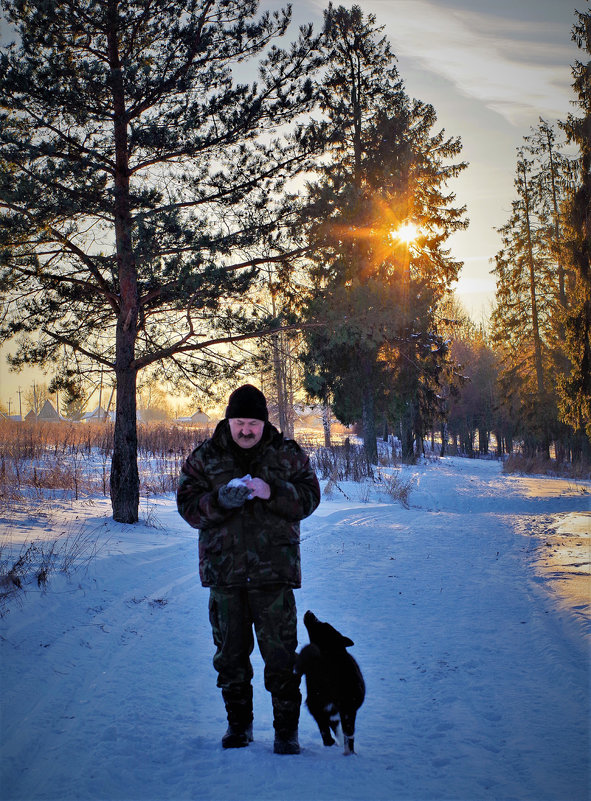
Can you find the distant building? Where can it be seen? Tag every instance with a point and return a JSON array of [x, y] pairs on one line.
[[48, 414], [197, 419], [98, 415], [308, 416]]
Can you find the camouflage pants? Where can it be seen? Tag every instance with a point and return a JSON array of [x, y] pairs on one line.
[[271, 610]]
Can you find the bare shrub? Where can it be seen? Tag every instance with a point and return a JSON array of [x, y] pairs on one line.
[[538, 465], [75, 458], [365, 490], [346, 462], [332, 485], [397, 488], [71, 551]]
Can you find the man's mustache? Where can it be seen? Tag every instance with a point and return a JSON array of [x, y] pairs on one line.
[[246, 436]]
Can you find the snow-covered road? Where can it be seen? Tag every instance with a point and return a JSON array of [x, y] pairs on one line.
[[476, 661]]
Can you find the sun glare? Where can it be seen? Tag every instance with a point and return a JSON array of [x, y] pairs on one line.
[[407, 232]]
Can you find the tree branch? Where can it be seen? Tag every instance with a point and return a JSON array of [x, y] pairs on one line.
[[78, 348], [103, 286], [155, 293], [180, 347]]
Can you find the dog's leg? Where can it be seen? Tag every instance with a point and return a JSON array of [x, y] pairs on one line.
[[326, 722], [321, 714], [327, 738], [348, 724]]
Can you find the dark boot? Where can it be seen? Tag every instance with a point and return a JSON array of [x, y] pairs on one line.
[[238, 701], [286, 716], [237, 737], [286, 742]]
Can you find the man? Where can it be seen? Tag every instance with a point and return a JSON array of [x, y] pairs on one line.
[[246, 489]]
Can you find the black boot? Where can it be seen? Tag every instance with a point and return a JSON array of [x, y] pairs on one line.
[[286, 742], [237, 737], [238, 701], [286, 716]]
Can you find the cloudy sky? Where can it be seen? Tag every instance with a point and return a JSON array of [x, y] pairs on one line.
[[490, 68]]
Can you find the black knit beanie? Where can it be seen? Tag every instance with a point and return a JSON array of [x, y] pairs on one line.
[[247, 402]]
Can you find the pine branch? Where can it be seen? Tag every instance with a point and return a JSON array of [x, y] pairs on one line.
[[181, 347], [77, 348], [103, 286]]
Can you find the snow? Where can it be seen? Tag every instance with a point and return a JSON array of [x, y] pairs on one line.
[[471, 616]]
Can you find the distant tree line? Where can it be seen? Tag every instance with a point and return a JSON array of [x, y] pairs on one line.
[[541, 325]]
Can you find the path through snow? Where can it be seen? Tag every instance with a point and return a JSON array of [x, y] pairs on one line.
[[477, 669]]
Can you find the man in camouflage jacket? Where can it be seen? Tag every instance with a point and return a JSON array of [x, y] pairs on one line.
[[246, 490]]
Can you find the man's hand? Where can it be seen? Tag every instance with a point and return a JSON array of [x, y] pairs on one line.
[[258, 488], [232, 496]]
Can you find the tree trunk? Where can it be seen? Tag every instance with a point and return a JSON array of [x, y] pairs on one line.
[[124, 481], [534, 315], [125, 484], [533, 290], [559, 255], [369, 424], [280, 370], [326, 420], [406, 435], [483, 437], [443, 437]]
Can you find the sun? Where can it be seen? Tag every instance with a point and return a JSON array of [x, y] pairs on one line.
[[407, 232]]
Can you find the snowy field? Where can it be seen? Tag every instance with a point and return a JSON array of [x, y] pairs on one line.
[[470, 612]]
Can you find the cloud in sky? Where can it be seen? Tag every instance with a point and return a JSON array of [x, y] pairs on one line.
[[519, 69]]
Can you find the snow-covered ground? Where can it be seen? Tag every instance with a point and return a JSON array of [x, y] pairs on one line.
[[470, 612]]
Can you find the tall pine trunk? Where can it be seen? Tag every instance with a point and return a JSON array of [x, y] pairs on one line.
[[533, 291], [326, 419], [443, 429], [534, 312], [370, 444], [125, 485], [124, 482], [407, 433]]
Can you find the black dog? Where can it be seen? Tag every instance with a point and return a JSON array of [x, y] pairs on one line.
[[334, 682]]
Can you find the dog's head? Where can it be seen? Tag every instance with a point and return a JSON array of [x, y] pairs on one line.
[[325, 636]]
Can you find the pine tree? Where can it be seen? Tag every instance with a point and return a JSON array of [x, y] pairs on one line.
[[384, 168], [575, 388], [528, 293], [140, 187], [73, 401]]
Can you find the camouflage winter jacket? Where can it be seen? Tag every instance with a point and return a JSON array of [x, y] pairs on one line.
[[259, 542]]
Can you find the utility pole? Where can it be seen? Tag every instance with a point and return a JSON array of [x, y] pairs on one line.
[[20, 405]]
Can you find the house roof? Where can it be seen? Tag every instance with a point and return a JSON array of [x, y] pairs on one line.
[[48, 412], [96, 414], [196, 417]]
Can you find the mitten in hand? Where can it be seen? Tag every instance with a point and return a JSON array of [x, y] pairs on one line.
[[233, 496]]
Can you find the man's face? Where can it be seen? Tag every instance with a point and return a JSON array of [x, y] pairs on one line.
[[246, 432]]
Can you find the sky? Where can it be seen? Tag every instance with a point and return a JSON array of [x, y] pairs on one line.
[[490, 70]]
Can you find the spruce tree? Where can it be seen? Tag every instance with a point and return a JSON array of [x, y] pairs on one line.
[[537, 292], [384, 168], [575, 388], [140, 187], [526, 299]]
